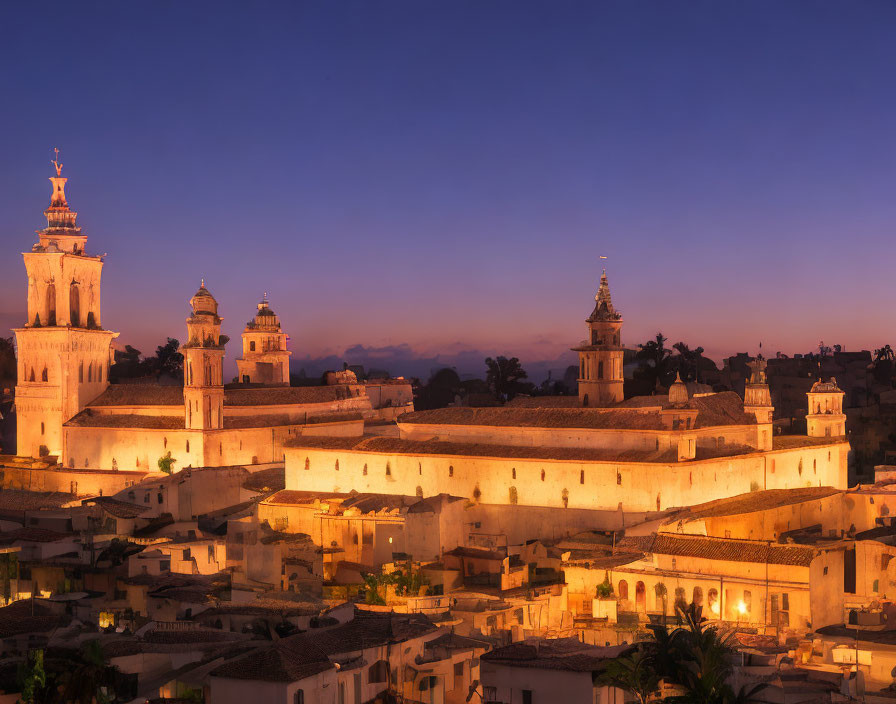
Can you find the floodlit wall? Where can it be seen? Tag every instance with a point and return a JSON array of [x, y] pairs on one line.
[[630, 486]]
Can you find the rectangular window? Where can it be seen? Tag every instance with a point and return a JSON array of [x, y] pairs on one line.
[[527, 696], [458, 669]]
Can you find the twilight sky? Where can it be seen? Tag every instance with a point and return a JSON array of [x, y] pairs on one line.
[[439, 178]]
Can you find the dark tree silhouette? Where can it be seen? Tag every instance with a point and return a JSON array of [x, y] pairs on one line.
[[439, 391], [655, 364], [7, 360], [503, 376], [688, 361], [168, 360]]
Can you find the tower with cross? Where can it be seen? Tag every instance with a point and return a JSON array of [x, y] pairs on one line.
[[265, 358], [64, 353], [600, 356]]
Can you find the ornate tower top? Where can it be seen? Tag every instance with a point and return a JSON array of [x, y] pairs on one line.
[[61, 220], [603, 308], [757, 370], [203, 301]]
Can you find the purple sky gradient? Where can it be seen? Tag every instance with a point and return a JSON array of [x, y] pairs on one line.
[[444, 175]]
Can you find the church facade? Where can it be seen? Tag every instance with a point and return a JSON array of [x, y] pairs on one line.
[[596, 451], [66, 407]]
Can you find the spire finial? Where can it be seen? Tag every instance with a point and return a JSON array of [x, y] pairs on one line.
[[265, 295], [202, 283], [56, 162]]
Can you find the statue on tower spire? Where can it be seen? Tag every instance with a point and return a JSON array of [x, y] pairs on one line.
[[56, 162]]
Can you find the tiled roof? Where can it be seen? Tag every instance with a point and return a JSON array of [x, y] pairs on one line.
[[273, 479], [140, 395], [513, 417], [390, 445], [727, 549], [120, 509], [793, 442], [726, 408], [288, 660], [285, 395], [33, 535], [300, 656], [477, 553], [555, 654], [754, 501], [261, 607], [20, 500], [27, 616], [90, 419]]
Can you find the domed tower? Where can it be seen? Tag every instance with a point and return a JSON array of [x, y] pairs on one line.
[[265, 358], [63, 352], [825, 418], [203, 364], [600, 356]]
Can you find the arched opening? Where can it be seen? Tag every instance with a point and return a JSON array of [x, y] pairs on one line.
[[251, 345], [640, 597], [31, 377], [419, 492], [514, 497], [585, 400], [43, 375], [81, 372], [90, 372], [622, 590], [51, 304], [74, 304]]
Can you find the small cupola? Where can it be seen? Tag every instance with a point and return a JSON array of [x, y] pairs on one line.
[[678, 393]]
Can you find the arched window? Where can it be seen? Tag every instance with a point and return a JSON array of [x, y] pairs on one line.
[[600, 370], [564, 497], [513, 472], [51, 304], [419, 492], [622, 591], [337, 465], [697, 597], [251, 345], [363, 471], [581, 476], [514, 497], [308, 464], [31, 378], [388, 469], [451, 470], [43, 375], [90, 372], [81, 372], [542, 475], [74, 304]]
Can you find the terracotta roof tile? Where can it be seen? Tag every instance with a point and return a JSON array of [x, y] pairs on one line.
[[555, 654], [721, 549], [285, 395], [140, 395], [754, 501]]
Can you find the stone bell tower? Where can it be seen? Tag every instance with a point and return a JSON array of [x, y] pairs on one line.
[[63, 352], [758, 402], [204, 364], [265, 358], [825, 418], [600, 356]]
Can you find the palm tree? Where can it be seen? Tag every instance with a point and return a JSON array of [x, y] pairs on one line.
[[884, 363], [654, 356], [634, 672], [689, 361]]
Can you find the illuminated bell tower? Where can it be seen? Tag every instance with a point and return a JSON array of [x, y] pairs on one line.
[[825, 418], [600, 356], [758, 401], [265, 358], [204, 364], [63, 352]]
